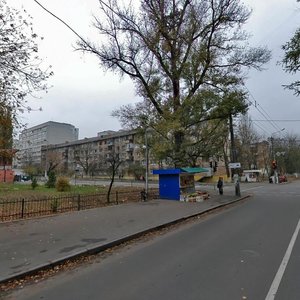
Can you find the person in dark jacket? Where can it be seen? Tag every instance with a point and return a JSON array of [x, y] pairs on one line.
[[220, 185]]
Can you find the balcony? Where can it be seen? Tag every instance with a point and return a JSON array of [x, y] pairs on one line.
[[129, 147]]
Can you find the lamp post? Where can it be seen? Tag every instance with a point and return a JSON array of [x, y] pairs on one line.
[[147, 165], [46, 160]]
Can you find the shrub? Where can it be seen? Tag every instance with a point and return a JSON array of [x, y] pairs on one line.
[[136, 170], [63, 184], [34, 183], [51, 180], [54, 205]]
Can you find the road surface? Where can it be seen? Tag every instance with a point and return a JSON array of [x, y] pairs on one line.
[[250, 251]]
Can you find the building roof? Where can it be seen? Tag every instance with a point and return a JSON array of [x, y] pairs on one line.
[[46, 124], [116, 134], [194, 170]]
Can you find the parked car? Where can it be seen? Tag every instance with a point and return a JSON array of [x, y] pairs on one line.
[[21, 178]]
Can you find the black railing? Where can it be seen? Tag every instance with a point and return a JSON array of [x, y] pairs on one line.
[[27, 208]]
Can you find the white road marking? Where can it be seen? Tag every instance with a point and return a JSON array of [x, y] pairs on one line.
[[275, 284], [253, 188]]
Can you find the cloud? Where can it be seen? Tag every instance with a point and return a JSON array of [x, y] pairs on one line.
[[84, 95]]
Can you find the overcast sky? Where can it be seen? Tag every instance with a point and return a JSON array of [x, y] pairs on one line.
[[84, 95]]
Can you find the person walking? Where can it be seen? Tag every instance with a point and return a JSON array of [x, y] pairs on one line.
[[220, 185]]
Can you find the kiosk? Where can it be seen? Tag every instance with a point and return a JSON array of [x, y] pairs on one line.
[[176, 184]]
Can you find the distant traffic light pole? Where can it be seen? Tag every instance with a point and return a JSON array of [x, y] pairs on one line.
[[274, 162]]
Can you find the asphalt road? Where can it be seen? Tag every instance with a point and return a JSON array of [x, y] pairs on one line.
[[234, 254]]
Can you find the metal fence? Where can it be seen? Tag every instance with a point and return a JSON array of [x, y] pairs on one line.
[[27, 208]]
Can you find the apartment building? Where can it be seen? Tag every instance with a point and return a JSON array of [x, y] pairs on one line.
[[90, 156], [32, 140]]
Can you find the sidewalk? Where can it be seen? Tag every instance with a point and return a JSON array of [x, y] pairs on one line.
[[29, 245]]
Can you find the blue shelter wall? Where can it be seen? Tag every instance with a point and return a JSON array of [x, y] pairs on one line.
[[169, 186]]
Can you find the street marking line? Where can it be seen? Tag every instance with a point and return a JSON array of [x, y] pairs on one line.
[[276, 282], [253, 188]]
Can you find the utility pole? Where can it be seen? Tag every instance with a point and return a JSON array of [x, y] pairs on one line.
[[147, 165], [235, 176]]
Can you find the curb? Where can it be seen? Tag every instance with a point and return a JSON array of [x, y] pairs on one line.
[[100, 248]]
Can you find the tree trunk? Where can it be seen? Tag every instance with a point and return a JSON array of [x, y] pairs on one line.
[[109, 191], [178, 161], [226, 162], [110, 185]]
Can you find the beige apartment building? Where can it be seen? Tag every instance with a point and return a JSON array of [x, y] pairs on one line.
[[53, 145], [91, 156]]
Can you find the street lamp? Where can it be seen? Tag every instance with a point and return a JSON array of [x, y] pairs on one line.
[[146, 147], [147, 165]]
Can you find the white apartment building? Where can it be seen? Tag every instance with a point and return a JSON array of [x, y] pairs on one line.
[[32, 139]]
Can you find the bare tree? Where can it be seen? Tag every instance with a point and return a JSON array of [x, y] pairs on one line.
[[113, 163], [20, 72], [286, 152], [85, 158], [174, 51], [177, 53], [53, 160], [247, 145]]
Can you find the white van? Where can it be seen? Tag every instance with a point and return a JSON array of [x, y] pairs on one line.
[[250, 175]]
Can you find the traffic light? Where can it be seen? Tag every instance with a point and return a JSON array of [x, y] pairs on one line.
[[211, 164], [274, 164]]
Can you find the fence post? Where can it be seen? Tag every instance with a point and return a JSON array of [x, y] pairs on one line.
[[78, 202], [117, 197], [22, 208]]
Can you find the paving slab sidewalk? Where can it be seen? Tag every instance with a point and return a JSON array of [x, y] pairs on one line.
[[29, 245]]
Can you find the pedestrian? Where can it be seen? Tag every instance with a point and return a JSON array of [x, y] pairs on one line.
[[220, 185]]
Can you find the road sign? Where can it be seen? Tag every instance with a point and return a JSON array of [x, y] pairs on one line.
[[234, 165]]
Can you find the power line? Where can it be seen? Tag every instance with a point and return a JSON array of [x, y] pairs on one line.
[[261, 128], [263, 113], [285, 21], [290, 120], [261, 110], [257, 106]]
